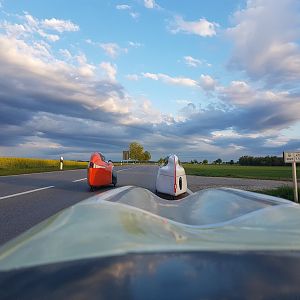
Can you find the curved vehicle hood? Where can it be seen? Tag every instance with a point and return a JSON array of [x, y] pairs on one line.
[[134, 220]]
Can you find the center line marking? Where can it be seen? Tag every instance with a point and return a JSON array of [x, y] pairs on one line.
[[27, 192], [123, 170], [79, 179]]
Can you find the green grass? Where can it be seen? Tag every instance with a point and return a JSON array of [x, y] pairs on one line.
[[273, 173], [285, 192], [14, 165]]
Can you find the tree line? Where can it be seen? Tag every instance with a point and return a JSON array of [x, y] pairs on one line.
[[137, 153], [261, 161], [247, 161]]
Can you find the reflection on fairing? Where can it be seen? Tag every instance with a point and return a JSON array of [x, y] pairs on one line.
[[135, 220]]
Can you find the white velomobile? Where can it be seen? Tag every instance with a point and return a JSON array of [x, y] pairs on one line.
[[171, 178]]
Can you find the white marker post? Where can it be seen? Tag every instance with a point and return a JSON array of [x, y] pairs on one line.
[[61, 164], [293, 158]]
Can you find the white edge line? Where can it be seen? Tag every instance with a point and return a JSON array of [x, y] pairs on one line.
[[27, 192], [189, 192], [79, 179]]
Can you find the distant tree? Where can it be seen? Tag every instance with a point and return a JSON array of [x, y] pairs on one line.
[[147, 156], [205, 161], [136, 151], [218, 161], [231, 162]]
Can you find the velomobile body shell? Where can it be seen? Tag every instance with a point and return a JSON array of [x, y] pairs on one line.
[[100, 172]]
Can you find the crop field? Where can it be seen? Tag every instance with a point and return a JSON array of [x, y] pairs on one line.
[[13, 165], [273, 173]]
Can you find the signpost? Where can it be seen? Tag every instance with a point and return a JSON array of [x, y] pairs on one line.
[[293, 158], [125, 155]]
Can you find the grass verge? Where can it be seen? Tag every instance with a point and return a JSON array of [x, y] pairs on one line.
[[236, 171], [15, 166], [285, 192]]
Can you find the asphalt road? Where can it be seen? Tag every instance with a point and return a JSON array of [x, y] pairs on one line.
[[28, 199]]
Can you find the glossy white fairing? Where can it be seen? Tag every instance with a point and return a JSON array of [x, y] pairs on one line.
[[135, 220], [171, 178]]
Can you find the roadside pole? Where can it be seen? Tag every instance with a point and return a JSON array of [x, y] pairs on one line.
[[293, 158], [295, 182], [61, 163]]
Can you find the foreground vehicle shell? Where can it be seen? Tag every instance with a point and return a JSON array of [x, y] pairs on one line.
[[130, 244], [171, 178], [100, 172]]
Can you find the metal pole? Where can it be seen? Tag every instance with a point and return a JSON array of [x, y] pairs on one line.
[[295, 182]]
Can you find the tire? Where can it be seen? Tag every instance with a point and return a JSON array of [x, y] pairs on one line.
[[92, 189], [114, 178]]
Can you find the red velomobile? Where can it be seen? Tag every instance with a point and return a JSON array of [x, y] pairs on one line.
[[100, 172]]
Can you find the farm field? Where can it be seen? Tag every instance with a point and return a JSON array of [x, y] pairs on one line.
[[15, 166], [254, 172]]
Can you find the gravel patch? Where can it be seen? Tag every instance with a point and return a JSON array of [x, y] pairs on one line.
[[196, 183]]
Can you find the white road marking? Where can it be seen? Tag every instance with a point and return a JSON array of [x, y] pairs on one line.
[[189, 192], [27, 192], [79, 179], [123, 170], [26, 174]]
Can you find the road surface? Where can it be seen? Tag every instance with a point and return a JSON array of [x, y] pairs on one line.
[[28, 199]]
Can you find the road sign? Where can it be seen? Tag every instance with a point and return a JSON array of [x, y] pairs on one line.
[[290, 157], [293, 158], [125, 155]]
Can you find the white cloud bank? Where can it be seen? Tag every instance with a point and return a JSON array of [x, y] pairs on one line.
[[68, 104], [266, 41]]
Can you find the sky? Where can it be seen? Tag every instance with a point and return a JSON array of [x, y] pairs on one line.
[[201, 79]]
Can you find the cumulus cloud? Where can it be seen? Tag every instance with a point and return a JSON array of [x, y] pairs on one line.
[[183, 101], [85, 69], [202, 27], [112, 49], [135, 44], [110, 70], [65, 53], [134, 15], [265, 37], [171, 80], [133, 77], [192, 62], [207, 82], [128, 8], [33, 26], [59, 25], [150, 4], [123, 7]]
